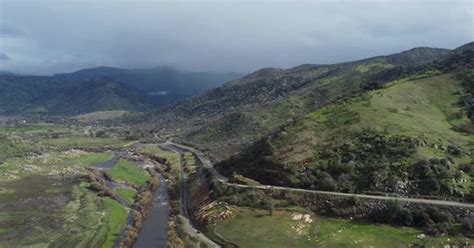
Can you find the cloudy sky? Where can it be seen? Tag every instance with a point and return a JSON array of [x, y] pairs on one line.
[[52, 36]]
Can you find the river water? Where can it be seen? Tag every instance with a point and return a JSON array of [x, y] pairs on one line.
[[154, 232]]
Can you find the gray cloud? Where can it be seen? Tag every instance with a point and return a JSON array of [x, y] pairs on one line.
[[6, 31], [55, 36], [4, 56]]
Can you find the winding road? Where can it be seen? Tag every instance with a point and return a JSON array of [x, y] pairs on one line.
[[207, 163]]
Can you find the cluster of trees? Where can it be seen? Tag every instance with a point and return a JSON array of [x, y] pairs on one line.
[[372, 162], [467, 79], [434, 220], [368, 163], [256, 162], [10, 148], [433, 176], [97, 183], [239, 196]]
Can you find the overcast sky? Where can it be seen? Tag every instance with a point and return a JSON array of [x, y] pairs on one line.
[[51, 36]]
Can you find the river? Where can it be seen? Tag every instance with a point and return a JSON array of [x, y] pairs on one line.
[[154, 232]]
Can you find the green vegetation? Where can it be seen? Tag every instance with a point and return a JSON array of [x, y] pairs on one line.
[[71, 142], [189, 163], [101, 115], [188, 240], [93, 221], [85, 220], [90, 158], [114, 222], [127, 194], [172, 158], [10, 148], [70, 163], [68, 214], [406, 138], [35, 128], [127, 171], [155, 150], [362, 68], [281, 230]]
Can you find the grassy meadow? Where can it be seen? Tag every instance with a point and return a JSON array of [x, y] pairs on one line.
[[256, 228]]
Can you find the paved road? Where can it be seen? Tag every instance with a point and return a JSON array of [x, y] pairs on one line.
[[207, 163], [184, 213]]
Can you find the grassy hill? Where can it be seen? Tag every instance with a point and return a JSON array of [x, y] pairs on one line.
[[413, 136]]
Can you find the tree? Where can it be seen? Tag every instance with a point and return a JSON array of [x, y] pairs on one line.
[[270, 206]]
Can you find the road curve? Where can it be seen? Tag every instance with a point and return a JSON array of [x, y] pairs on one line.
[[207, 163]]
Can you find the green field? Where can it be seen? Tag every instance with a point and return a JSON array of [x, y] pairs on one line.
[[114, 222], [68, 163], [68, 215], [35, 128], [71, 142], [101, 115], [255, 228], [44, 203], [170, 156], [155, 150], [127, 171], [127, 194]]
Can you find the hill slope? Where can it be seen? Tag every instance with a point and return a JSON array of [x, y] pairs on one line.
[[411, 137], [271, 98]]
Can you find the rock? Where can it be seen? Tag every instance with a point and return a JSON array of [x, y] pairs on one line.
[[421, 236], [307, 218], [297, 217]]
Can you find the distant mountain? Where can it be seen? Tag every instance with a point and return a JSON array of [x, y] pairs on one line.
[[46, 95], [6, 73], [164, 85], [102, 88]]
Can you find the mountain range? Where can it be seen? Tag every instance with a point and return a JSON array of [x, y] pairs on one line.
[[102, 88]]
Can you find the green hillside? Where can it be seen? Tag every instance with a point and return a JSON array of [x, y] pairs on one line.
[[412, 136]]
